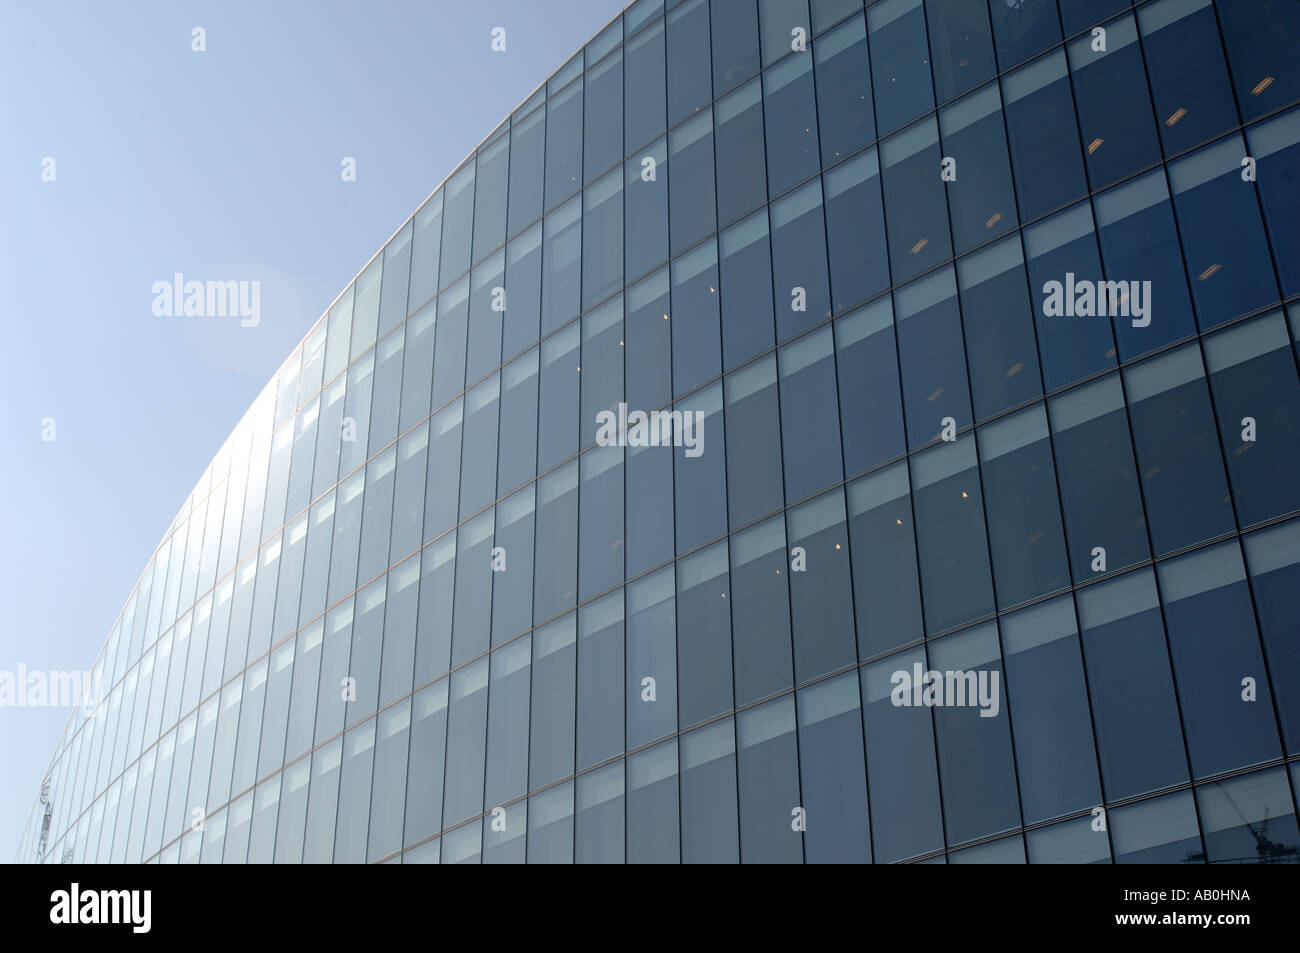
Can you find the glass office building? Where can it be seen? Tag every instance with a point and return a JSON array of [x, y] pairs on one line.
[[982, 320]]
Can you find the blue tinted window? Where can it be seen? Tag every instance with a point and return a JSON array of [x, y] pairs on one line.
[[1261, 37], [1134, 709], [961, 44], [914, 208], [1024, 514], [868, 377], [1055, 757], [788, 101], [1045, 153], [900, 61], [760, 611], [903, 779], [1104, 521], [741, 158], [887, 595], [1216, 650], [1186, 490], [1223, 237], [844, 113]]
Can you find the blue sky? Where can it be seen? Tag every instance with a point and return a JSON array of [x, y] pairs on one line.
[[221, 164]]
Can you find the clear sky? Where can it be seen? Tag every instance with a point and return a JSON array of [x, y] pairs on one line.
[[222, 164]]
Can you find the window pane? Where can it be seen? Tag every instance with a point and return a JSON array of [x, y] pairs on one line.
[[1248, 819], [980, 199], [603, 116], [820, 588], [1275, 145], [868, 364], [1159, 831], [1261, 38], [1024, 514], [950, 535], [1024, 28], [808, 393], [802, 292], [900, 61], [768, 775], [887, 596], [1134, 708], [788, 102], [689, 88], [563, 143], [961, 43], [600, 669], [1223, 238], [708, 791], [704, 634], [735, 42], [742, 163], [1187, 499], [1226, 705], [746, 275], [1181, 41], [903, 778], [1073, 340], [550, 745], [916, 210], [1099, 491], [1139, 244], [644, 85], [1046, 157], [855, 230], [844, 113], [527, 149], [457, 225], [651, 658], [930, 352], [998, 313], [1257, 395], [1055, 756], [1274, 558], [691, 200], [974, 740], [760, 611]]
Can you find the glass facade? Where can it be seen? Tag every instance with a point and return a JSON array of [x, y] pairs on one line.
[[421, 608]]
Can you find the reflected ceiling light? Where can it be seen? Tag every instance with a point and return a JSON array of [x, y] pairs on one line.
[[935, 396], [1094, 145], [665, 317], [916, 249], [963, 494], [1179, 113], [1015, 369], [993, 220], [711, 291], [1208, 273], [1263, 84], [837, 545], [899, 522], [1150, 473]]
